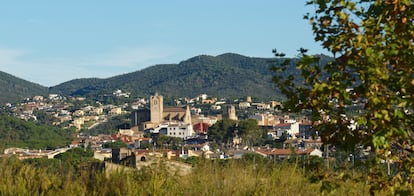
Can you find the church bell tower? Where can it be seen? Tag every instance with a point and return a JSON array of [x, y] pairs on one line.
[[156, 107]]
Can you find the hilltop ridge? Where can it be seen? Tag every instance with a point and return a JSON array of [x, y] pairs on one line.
[[225, 75]]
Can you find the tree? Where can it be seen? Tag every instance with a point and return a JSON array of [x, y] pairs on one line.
[[250, 132], [222, 131], [170, 142], [115, 144], [369, 83], [75, 154]]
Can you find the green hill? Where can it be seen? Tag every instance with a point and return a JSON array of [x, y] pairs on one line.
[[227, 75], [13, 89], [15, 132]]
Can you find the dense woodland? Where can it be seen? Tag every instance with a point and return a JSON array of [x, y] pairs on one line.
[[13, 89], [19, 133], [227, 75]]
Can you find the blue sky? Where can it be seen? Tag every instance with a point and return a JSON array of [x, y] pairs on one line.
[[50, 42]]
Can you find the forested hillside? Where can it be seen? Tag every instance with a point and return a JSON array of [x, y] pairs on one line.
[[19, 133], [13, 89], [227, 75]]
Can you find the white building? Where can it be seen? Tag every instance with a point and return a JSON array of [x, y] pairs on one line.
[[244, 105], [294, 129], [182, 130], [175, 129]]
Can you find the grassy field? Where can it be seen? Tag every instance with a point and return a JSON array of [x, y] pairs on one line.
[[206, 178]]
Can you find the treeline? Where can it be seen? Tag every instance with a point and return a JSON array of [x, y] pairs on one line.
[[15, 132]]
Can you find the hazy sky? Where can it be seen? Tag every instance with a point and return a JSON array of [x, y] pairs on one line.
[[50, 42]]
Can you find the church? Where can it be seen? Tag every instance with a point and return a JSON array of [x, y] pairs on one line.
[[160, 118]]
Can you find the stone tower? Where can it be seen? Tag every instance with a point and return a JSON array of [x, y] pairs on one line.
[[232, 112], [156, 107]]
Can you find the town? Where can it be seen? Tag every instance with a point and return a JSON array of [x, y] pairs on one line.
[[185, 128]]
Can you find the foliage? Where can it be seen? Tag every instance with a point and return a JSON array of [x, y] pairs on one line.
[[253, 158], [14, 90], [251, 133], [19, 133], [112, 125], [193, 161], [116, 144], [75, 154], [370, 82], [42, 117], [165, 141], [223, 131]]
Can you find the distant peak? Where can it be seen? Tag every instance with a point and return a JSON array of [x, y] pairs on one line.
[[229, 54]]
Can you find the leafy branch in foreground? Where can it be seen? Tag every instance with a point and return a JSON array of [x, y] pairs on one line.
[[364, 97]]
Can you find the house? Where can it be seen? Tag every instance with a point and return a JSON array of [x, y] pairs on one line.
[[310, 143], [115, 111], [280, 129], [275, 104], [280, 154], [303, 143], [128, 132], [79, 113], [244, 105], [216, 107], [262, 106], [102, 154], [208, 101], [78, 122], [38, 98], [181, 130], [98, 111], [210, 120]]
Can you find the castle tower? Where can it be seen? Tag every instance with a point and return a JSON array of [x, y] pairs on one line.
[[232, 112], [156, 107]]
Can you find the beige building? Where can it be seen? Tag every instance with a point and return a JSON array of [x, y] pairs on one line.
[[115, 111], [78, 122], [79, 113], [98, 110], [232, 112]]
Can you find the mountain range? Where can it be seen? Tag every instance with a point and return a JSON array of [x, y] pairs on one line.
[[227, 75]]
